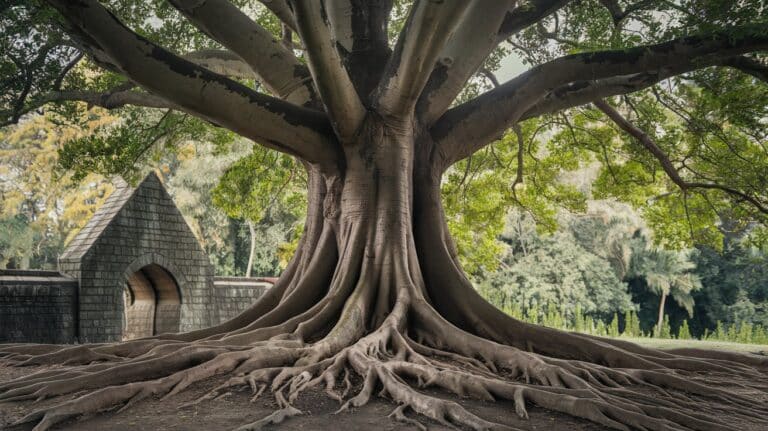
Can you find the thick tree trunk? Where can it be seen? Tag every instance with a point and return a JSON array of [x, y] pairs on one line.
[[376, 289]]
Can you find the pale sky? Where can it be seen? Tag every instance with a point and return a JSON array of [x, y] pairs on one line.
[[511, 66]]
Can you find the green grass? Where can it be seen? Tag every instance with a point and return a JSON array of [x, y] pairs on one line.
[[662, 343]]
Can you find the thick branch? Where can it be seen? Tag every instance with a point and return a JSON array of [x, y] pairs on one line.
[[532, 12], [219, 61], [332, 80], [109, 100], [269, 121], [276, 66], [470, 126], [462, 56], [428, 27], [223, 62], [340, 17], [749, 66], [666, 164], [618, 14], [282, 11], [584, 92], [449, 77], [360, 31]]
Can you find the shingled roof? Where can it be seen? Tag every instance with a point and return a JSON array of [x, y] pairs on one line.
[[87, 236]]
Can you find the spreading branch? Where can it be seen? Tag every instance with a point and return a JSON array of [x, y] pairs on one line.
[[472, 125], [27, 71], [107, 100], [65, 71], [282, 10], [520, 158], [271, 122], [584, 92], [223, 62], [419, 44], [275, 65], [532, 12], [750, 66], [219, 61], [618, 14], [332, 80], [666, 164], [359, 28], [462, 56]]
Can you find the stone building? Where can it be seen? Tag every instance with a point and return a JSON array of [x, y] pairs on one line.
[[134, 270]]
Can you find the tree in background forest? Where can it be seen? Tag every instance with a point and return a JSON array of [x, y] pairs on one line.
[[190, 173], [41, 207], [666, 273], [734, 286], [542, 271], [268, 190], [368, 97]]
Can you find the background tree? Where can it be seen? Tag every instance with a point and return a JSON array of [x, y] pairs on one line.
[[190, 174], [666, 273], [554, 270], [42, 207], [734, 286], [375, 286], [266, 189]]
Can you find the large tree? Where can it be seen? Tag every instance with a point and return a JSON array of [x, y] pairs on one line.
[[375, 288]]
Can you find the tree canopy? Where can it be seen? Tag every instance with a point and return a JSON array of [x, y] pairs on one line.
[[707, 123]]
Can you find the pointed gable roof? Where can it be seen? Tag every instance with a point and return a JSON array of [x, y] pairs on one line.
[[86, 238]]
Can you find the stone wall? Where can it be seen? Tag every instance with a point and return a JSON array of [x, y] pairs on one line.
[[235, 294], [42, 306], [135, 269], [37, 307]]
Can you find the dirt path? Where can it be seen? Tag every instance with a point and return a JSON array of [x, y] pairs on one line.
[[235, 410]]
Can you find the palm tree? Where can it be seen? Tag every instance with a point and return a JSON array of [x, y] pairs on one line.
[[668, 273], [627, 247]]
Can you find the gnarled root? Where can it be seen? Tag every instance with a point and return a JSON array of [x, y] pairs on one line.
[[408, 347]]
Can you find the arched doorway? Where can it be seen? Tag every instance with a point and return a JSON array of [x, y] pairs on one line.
[[152, 303]]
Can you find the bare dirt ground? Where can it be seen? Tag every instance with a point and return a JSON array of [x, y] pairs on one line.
[[230, 412]]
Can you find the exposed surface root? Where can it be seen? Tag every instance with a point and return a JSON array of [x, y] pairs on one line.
[[410, 347]]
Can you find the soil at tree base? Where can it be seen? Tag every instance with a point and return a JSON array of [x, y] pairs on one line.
[[229, 412]]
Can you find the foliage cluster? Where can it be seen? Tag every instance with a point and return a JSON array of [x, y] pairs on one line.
[[42, 207], [603, 263], [628, 325]]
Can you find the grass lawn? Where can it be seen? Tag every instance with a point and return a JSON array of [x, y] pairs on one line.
[[660, 343]]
